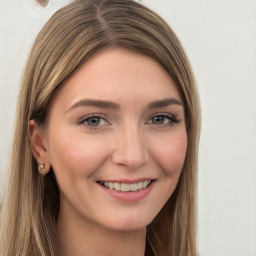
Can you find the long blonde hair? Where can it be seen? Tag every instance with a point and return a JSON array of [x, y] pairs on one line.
[[73, 35]]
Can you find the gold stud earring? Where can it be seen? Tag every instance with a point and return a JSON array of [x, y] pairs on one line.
[[43, 3], [41, 169]]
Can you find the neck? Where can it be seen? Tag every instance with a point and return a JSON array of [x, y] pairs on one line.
[[82, 238]]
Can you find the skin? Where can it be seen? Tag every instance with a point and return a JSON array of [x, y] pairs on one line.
[[127, 143]]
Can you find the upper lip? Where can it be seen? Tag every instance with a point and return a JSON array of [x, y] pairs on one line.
[[128, 181]]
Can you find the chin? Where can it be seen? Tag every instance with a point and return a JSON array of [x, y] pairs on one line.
[[130, 224]]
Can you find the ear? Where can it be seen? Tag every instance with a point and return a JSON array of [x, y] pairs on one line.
[[38, 146]]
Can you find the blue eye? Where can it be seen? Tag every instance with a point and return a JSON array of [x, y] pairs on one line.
[[163, 119], [93, 121]]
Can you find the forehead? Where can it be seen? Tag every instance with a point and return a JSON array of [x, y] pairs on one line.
[[119, 75]]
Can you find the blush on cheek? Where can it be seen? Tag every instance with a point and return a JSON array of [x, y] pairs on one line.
[[173, 157], [79, 159], [76, 157]]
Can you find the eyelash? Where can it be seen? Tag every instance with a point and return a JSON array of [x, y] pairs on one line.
[[172, 120], [87, 118]]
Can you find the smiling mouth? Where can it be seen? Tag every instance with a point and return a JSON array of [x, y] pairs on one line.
[[125, 187]]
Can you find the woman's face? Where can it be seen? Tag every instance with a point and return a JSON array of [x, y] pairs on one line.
[[116, 140]]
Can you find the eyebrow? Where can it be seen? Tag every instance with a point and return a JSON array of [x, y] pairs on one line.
[[115, 106], [164, 103], [95, 103]]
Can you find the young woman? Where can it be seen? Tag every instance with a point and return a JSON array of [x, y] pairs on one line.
[[104, 158]]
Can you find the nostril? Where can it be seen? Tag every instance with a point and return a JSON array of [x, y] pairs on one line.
[[130, 163]]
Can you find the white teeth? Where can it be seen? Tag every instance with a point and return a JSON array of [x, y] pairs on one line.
[[145, 184], [117, 186], [110, 185], [125, 187], [133, 187], [140, 185]]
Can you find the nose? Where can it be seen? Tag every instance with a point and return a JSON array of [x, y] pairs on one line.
[[130, 149]]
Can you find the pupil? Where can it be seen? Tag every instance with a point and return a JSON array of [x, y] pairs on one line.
[[94, 121], [158, 119]]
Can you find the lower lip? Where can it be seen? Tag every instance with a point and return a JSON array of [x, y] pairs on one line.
[[129, 196]]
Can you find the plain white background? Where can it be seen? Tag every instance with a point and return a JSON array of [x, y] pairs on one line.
[[220, 39]]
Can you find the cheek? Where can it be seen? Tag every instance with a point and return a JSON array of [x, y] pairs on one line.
[[76, 154], [170, 153]]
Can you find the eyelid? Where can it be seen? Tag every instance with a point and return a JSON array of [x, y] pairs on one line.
[[97, 115], [172, 117]]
